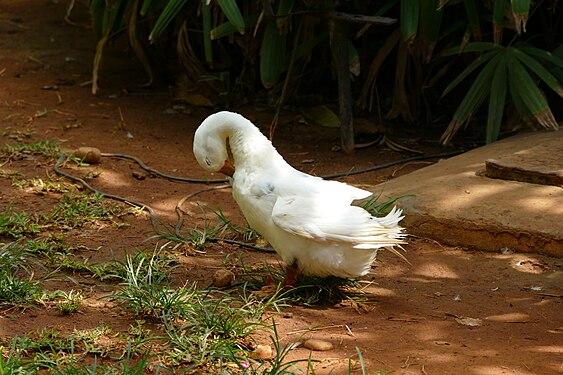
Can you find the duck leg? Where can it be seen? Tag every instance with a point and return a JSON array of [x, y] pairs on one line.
[[291, 273]]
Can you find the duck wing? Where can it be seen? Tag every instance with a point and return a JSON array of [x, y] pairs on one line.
[[328, 219]]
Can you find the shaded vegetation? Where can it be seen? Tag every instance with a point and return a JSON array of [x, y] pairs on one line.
[[412, 61]]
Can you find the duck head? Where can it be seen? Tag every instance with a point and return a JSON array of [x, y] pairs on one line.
[[210, 149]]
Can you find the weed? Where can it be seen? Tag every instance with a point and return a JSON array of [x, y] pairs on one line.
[[46, 148], [75, 210], [40, 186], [278, 365], [69, 302], [146, 290], [377, 209], [18, 224], [17, 283]]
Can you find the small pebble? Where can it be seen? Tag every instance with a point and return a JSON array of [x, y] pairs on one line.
[[90, 155], [223, 278], [318, 345], [262, 352]]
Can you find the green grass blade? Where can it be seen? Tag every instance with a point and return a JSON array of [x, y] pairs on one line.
[[168, 14], [497, 99], [410, 10], [233, 14], [544, 74], [522, 83], [474, 65]]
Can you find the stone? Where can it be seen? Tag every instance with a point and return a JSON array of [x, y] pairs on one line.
[[223, 278], [318, 345]]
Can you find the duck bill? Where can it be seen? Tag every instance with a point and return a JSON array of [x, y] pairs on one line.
[[228, 169]]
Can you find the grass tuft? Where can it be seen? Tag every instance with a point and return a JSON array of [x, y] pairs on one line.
[[18, 286]]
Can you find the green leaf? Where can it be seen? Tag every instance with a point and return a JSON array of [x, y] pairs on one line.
[[272, 55], [520, 10], [474, 65], [544, 55], [206, 25], [497, 98], [539, 70], [145, 7], [499, 6], [322, 115], [169, 13], [431, 21], [522, 83], [284, 8], [472, 47], [233, 14], [475, 96], [353, 59], [410, 10], [473, 18]]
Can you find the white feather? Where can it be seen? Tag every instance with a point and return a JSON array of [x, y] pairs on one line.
[[306, 219]]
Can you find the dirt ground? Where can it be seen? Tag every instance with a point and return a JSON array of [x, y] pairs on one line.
[[417, 319]]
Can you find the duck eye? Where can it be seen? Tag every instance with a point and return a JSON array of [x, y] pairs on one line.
[[207, 161]]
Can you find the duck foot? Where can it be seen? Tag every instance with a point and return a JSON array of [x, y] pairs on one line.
[[271, 288], [291, 273]]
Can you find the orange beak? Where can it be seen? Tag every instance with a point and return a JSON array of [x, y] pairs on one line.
[[228, 169]]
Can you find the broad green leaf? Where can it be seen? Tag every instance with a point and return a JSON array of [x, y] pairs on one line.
[[233, 14], [520, 10], [497, 98], [539, 70], [410, 10], [272, 55], [168, 14], [532, 97], [474, 65]]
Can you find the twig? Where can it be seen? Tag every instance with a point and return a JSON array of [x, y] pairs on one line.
[[315, 329], [392, 163], [551, 295]]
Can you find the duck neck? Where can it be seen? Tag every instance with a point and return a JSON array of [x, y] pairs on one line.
[[249, 147]]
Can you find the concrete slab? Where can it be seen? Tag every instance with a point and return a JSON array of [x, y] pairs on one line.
[[455, 203]]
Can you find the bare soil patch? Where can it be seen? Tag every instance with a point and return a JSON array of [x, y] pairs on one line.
[[449, 311]]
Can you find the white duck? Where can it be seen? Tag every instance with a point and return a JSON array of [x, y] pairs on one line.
[[310, 222]]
